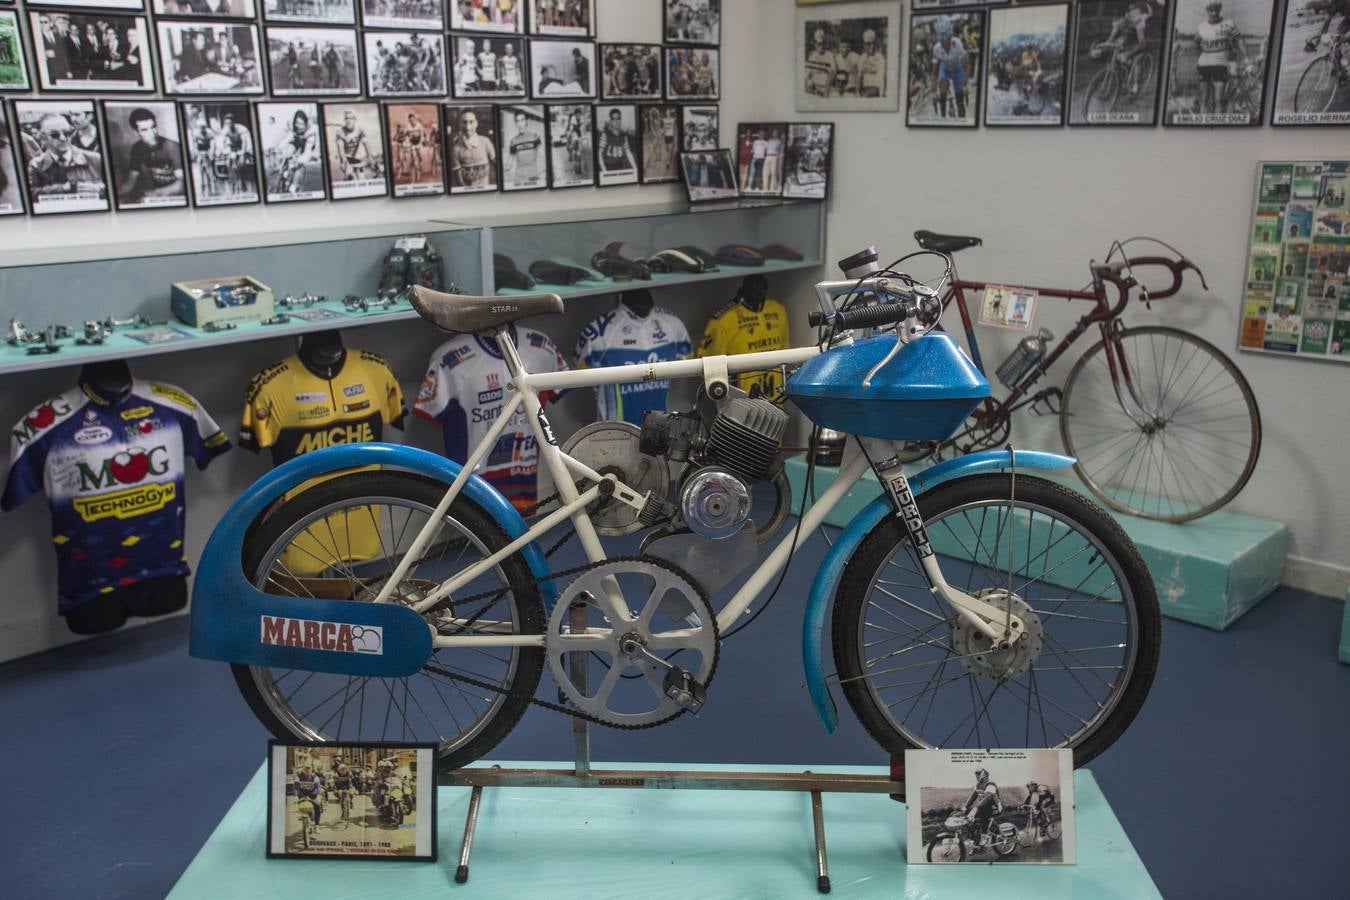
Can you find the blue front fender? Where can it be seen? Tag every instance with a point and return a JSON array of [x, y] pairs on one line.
[[235, 622], [827, 578]]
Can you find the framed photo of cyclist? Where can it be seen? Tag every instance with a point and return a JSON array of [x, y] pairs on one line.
[[413, 137], [562, 18], [292, 154], [562, 69], [498, 16], [699, 128], [944, 90], [692, 21], [403, 14], [222, 153], [1312, 84], [471, 150], [806, 163], [616, 144], [487, 66], [351, 801], [405, 63], [206, 57], [118, 63], [313, 62], [630, 72], [145, 152], [353, 144], [660, 136], [1218, 62], [694, 73], [848, 58], [1117, 62], [760, 149], [1027, 71], [571, 154], [917, 5], [13, 64], [524, 146], [330, 12]]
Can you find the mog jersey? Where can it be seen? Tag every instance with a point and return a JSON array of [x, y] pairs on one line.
[[1215, 41], [113, 474], [621, 337], [465, 391], [735, 329]]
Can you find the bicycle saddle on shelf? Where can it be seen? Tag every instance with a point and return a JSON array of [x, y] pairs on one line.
[[508, 275], [780, 251], [945, 243], [465, 313], [738, 255], [562, 271]]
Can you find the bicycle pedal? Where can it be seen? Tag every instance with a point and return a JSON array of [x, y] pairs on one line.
[[685, 690]]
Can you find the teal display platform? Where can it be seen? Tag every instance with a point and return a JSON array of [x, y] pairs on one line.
[[616, 842], [1208, 572], [1344, 654]]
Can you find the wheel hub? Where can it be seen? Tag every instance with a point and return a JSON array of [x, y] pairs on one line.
[[987, 657]]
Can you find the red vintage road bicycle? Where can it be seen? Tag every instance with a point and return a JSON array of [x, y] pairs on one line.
[[1161, 422]]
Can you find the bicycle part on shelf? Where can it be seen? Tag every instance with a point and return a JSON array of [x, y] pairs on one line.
[[278, 319], [612, 448], [977, 653], [135, 321], [45, 342], [594, 632], [94, 333], [213, 327], [305, 300], [716, 562]]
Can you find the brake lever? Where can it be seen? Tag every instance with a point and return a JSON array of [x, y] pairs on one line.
[[1186, 263]]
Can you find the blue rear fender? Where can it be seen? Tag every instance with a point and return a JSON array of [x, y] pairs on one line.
[[827, 578], [235, 622]]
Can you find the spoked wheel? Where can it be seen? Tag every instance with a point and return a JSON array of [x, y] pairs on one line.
[[1316, 89], [1101, 91], [1177, 441], [342, 540], [1049, 828], [1004, 841], [918, 676], [946, 848], [1027, 836]]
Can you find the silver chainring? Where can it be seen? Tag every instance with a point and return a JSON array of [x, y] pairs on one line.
[[977, 651], [612, 448], [592, 642]]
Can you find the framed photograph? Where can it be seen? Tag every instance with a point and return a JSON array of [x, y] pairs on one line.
[[13, 64], [222, 155], [353, 143], [849, 58], [571, 154], [88, 52], [136, 5], [699, 128], [1311, 86], [1117, 62], [403, 14], [313, 62], [616, 144], [562, 69], [975, 806], [946, 55], [1218, 63], [405, 63], [62, 156], [220, 9], [524, 146], [693, 73], [501, 16], [1028, 73], [292, 156], [630, 72], [948, 4], [351, 801], [562, 18], [11, 187], [414, 152], [209, 58], [760, 148], [471, 151], [708, 175], [660, 127], [487, 66], [806, 165], [317, 12], [692, 21], [145, 148]]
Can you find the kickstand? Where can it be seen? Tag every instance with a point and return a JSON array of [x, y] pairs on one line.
[[470, 823]]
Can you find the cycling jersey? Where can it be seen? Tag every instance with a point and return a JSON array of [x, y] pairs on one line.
[[113, 472], [735, 328], [1215, 42], [615, 154], [622, 337], [350, 142], [952, 56], [510, 66], [487, 66], [464, 392], [524, 149]]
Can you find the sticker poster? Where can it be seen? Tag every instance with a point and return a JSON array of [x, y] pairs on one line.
[[1008, 307], [1297, 298]]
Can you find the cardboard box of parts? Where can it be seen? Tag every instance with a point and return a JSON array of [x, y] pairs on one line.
[[234, 300]]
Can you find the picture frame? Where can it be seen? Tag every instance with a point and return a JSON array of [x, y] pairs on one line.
[[928, 5], [292, 151], [1026, 94], [501, 17], [848, 58], [13, 58], [387, 77], [308, 61], [693, 73], [708, 175], [631, 72], [311, 816], [618, 159], [1117, 86], [222, 152], [207, 57], [119, 64], [215, 9], [1224, 91], [931, 100], [659, 129], [525, 147], [120, 5], [1307, 92], [475, 57], [354, 150], [562, 18], [62, 156], [146, 163], [12, 188], [413, 147], [692, 22], [562, 69], [806, 164], [571, 145], [428, 14], [471, 156], [700, 128], [760, 151]]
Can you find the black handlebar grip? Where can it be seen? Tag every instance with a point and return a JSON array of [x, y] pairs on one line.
[[870, 316]]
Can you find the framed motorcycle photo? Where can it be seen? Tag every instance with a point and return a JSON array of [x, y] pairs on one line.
[[372, 800]]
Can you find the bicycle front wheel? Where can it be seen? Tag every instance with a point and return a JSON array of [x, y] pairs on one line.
[[1316, 87], [1101, 92], [1164, 427]]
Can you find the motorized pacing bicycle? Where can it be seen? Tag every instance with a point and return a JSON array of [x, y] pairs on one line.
[[402, 598]]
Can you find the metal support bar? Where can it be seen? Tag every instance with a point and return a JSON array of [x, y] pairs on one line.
[[822, 864], [470, 823], [653, 779]]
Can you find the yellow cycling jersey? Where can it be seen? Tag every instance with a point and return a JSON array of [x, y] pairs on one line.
[[735, 329]]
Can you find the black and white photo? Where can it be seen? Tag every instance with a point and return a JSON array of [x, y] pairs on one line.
[[561, 69], [1117, 62], [708, 175], [630, 72], [848, 59], [102, 52], [11, 186], [145, 149], [1312, 84], [699, 128], [760, 148], [500, 16], [313, 12], [945, 59], [62, 156], [405, 63], [136, 5], [220, 9], [403, 14], [222, 153], [471, 149], [313, 62], [209, 58], [692, 21], [947, 4], [292, 153], [13, 65], [487, 66], [693, 73], [1028, 73], [416, 167], [353, 141], [806, 161], [1217, 62], [524, 146], [616, 144], [562, 18], [660, 136], [571, 160]]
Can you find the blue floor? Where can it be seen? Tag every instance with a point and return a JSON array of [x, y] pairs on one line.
[[124, 752]]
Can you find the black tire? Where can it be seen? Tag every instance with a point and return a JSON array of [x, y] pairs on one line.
[[945, 836], [1309, 95], [424, 493], [1050, 828], [1033, 496], [1102, 89], [1003, 844]]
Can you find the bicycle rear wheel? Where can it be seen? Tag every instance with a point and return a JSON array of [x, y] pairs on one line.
[[1316, 87], [1175, 439]]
